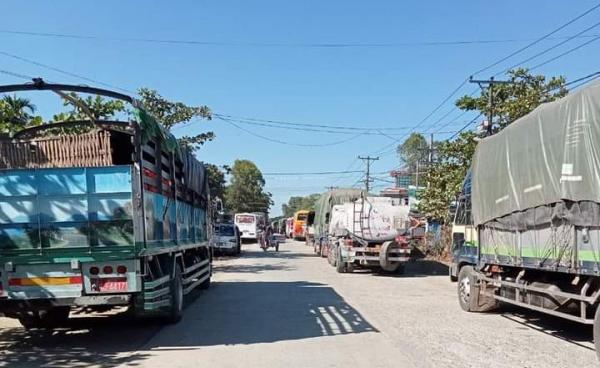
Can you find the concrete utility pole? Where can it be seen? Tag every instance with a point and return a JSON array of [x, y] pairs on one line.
[[368, 173], [490, 85]]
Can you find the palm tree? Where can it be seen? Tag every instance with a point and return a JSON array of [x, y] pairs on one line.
[[18, 108]]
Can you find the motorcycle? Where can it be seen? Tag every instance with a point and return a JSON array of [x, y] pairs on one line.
[[267, 242]]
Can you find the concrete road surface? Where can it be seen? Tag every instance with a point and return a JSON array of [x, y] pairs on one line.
[[291, 309]]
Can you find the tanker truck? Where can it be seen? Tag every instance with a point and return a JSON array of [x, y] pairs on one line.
[[528, 220], [370, 232]]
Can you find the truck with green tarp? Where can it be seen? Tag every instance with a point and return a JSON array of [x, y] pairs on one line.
[[528, 220], [99, 213], [355, 229]]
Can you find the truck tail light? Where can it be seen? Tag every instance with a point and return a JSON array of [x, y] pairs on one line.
[[121, 269], [94, 270], [107, 269], [401, 241]]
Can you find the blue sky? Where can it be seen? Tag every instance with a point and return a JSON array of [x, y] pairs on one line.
[[261, 67]]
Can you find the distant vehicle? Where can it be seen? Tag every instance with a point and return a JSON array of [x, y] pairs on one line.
[[310, 229], [526, 226], [250, 225], [300, 224], [289, 227], [370, 232], [118, 216], [225, 239]]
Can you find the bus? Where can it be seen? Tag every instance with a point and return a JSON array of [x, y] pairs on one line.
[[300, 224], [250, 225]]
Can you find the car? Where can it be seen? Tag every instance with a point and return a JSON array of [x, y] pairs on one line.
[[225, 239]]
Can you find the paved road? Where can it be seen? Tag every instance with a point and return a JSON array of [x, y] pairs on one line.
[[290, 309]]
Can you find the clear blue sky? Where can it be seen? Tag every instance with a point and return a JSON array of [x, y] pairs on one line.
[[259, 68]]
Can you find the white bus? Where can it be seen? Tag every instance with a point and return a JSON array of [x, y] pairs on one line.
[[249, 224]]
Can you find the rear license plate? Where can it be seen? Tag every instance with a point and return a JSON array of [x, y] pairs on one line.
[[112, 284]]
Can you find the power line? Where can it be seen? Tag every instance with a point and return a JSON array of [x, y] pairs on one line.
[[535, 42], [16, 75], [61, 71], [265, 44], [312, 173], [281, 122], [288, 143], [565, 53], [549, 49]]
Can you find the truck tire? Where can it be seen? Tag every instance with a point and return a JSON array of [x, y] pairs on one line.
[[597, 331], [386, 265], [340, 265], [176, 308], [465, 288], [469, 297]]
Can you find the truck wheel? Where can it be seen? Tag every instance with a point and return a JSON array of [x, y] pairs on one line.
[[465, 289], [386, 265], [597, 331], [176, 309], [340, 265]]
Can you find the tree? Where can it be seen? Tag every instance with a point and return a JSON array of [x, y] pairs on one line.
[[16, 113], [90, 107], [511, 101], [518, 98], [299, 203], [411, 151], [245, 192], [446, 175], [171, 114], [216, 180]]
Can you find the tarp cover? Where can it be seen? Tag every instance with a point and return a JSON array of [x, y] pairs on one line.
[[548, 156], [327, 201]]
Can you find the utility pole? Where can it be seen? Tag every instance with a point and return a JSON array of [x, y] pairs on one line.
[[490, 85], [368, 173]]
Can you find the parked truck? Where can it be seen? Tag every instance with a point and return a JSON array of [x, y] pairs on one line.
[[97, 213], [323, 208], [370, 232], [527, 228]]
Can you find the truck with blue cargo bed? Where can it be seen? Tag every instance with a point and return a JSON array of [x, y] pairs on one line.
[[99, 213], [527, 226]]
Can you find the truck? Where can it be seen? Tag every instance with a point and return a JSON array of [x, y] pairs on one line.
[[370, 232], [323, 207], [98, 213], [527, 225]]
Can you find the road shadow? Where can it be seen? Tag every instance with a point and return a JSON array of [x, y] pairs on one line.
[[560, 328], [103, 341], [262, 312], [251, 268], [417, 268]]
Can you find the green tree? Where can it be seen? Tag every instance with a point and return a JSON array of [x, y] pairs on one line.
[[216, 180], [16, 113], [511, 101], [411, 151], [245, 193], [171, 114], [299, 203], [89, 107]]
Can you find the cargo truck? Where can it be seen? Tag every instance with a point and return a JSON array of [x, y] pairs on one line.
[[527, 227], [99, 213]]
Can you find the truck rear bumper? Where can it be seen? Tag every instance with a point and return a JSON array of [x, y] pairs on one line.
[[12, 306]]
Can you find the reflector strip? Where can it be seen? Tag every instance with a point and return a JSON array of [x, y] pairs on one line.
[[45, 281]]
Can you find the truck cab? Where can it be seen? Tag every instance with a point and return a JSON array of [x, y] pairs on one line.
[[464, 233]]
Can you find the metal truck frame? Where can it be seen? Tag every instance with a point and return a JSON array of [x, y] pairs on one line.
[[131, 230]]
